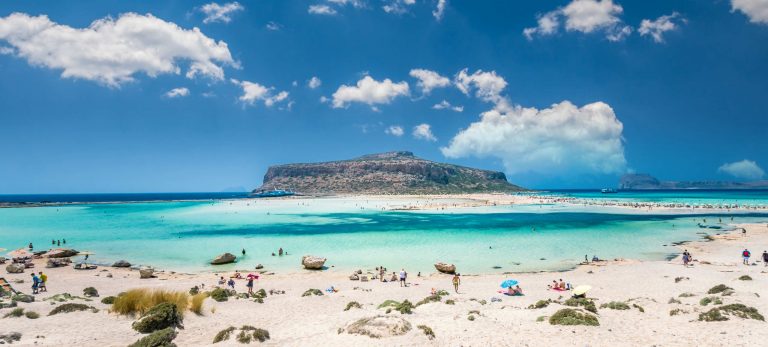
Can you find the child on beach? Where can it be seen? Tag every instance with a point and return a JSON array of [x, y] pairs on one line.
[[746, 256], [456, 282]]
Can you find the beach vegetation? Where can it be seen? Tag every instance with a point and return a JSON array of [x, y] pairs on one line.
[[540, 304], [483, 302], [63, 297], [90, 292], [194, 290], [405, 307], [450, 302], [745, 278], [32, 315], [474, 312], [109, 300], [164, 315], [588, 304], [679, 279], [727, 292], [710, 299], [248, 333], [389, 303], [639, 308], [739, 310], [674, 301], [260, 294], [21, 297], [718, 289], [686, 295], [10, 338], [139, 301], [471, 318], [15, 313], [196, 303], [378, 327], [427, 331], [431, 298], [223, 335], [677, 311], [219, 294], [616, 305], [541, 318], [443, 292], [568, 316], [311, 292], [351, 305], [159, 338], [72, 307]]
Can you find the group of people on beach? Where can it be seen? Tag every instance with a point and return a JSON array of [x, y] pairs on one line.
[[39, 282]]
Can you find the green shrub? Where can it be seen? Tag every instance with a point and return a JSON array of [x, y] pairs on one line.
[[541, 318], [686, 295], [639, 308], [738, 310], [471, 318], [745, 278], [109, 300], [260, 294], [15, 313], [678, 279], [710, 299], [616, 305], [160, 338], [223, 335], [718, 289], [389, 303], [450, 302], [674, 301], [427, 331], [431, 298], [405, 307], [220, 294], [248, 332], [677, 311], [165, 315], [311, 292], [540, 304], [351, 305], [32, 315], [90, 292], [569, 316], [712, 315], [23, 298], [71, 307], [588, 304], [194, 290]]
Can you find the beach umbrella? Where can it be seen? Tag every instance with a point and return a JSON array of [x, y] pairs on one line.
[[20, 253], [508, 283], [581, 290]]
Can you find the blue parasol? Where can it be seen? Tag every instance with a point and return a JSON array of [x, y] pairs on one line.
[[508, 283]]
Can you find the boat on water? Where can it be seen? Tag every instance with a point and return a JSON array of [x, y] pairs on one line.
[[608, 191], [273, 193]]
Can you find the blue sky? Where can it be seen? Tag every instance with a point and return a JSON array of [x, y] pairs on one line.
[[557, 94]]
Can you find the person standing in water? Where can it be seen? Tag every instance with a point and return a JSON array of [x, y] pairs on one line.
[[280, 251], [456, 282], [243, 251]]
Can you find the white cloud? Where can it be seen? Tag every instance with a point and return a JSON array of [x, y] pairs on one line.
[[220, 13], [321, 9], [440, 9], [353, 3], [445, 105], [745, 169], [177, 92], [756, 10], [394, 130], [398, 6], [424, 132], [656, 28], [112, 51], [253, 92], [488, 85], [273, 26], [563, 138], [429, 80], [314, 82], [585, 16], [369, 91]]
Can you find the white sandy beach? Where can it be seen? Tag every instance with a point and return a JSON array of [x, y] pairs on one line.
[[300, 321]]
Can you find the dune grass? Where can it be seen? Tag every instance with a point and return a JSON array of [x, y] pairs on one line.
[[196, 303], [139, 301], [718, 289], [569, 316]]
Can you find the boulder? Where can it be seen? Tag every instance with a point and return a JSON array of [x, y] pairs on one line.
[[379, 327], [224, 258], [58, 262], [259, 266], [146, 272], [359, 272], [61, 253], [14, 268], [354, 277], [312, 263], [121, 263], [445, 268]]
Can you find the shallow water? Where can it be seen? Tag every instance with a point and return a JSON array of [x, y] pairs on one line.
[[352, 233]]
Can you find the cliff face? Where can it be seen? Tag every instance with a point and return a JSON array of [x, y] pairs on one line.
[[645, 181], [384, 173]]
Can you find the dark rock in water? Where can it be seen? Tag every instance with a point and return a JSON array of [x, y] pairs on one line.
[[445, 268], [497, 267], [224, 258], [259, 266], [542, 258], [61, 253], [121, 263], [385, 173]]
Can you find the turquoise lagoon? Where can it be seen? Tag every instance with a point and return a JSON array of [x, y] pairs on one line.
[[353, 234]]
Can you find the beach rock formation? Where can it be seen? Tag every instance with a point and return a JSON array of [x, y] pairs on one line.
[[379, 327], [146, 272], [121, 263], [259, 266], [384, 173], [14, 268], [311, 262], [224, 258], [58, 262], [354, 277], [61, 253], [445, 268]]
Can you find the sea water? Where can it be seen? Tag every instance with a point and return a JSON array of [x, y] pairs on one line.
[[352, 234]]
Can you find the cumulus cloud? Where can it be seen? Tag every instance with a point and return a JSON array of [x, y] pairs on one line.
[[439, 9], [321, 10], [562, 138], [445, 105], [253, 92], [220, 13], [314, 82], [397, 6], [424, 132], [755, 10], [369, 91], [585, 16], [745, 169], [429, 80], [177, 92], [487, 85], [112, 51], [394, 130], [656, 28]]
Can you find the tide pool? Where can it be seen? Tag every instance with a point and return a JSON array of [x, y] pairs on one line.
[[352, 234]]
